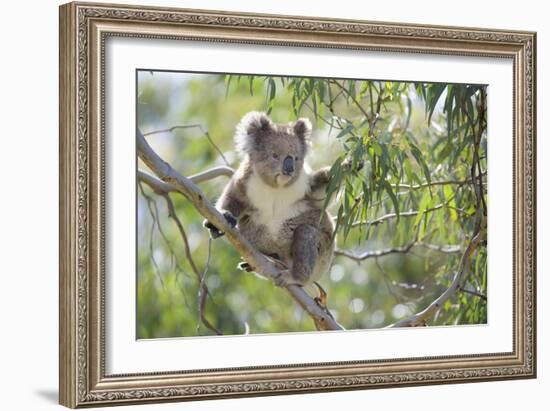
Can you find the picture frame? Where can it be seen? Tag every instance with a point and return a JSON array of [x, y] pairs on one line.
[[85, 29]]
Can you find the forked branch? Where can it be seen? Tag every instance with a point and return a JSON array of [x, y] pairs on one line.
[[421, 318]]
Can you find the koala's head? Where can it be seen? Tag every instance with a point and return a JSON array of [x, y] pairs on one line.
[[276, 151]]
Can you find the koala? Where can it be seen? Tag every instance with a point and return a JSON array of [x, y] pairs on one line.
[[276, 201]]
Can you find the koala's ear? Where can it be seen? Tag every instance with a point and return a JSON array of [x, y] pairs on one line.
[[302, 128], [251, 129]]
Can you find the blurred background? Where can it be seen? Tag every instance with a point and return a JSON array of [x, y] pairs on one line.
[[411, 209]]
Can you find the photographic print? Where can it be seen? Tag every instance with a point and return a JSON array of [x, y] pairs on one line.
[[280, 187], [367, 198]]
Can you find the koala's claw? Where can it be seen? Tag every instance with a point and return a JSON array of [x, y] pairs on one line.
[[214, 231], [232, 221], [244, 266], [322, 299]]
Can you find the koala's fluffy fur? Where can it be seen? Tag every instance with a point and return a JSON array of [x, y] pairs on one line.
[[276, 202]]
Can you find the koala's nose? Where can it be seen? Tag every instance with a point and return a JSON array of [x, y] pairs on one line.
[[288, 165]]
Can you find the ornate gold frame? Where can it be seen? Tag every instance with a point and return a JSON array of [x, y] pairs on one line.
[[83, 30]]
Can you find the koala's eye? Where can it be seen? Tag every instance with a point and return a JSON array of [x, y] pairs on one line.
[[275, 156]]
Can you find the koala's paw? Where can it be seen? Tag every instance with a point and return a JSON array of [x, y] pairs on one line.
[[285, 279], [348, 163], [232, 221], [244, 266], [214, 231]]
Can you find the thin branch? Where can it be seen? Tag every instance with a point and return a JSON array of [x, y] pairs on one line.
[[354, 100], [411, 213], [450, 249], [211, 174], [422, 317], [184, 126], [174, 258], [153, 212], [203, 288], [155, 216], [262, 264], [373, 254], [374, 115], [473, 292], [389, 284], [163, 189], [203, 291], [324, 120], [389, 216], [330, 106], [475, 168], [437, 183], [482, 128], [171, 129], [160, 187], [447, 249]]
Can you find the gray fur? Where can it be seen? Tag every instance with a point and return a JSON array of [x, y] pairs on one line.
[[298, 231]]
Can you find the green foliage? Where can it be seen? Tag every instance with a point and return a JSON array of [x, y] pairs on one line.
[[418, 175]]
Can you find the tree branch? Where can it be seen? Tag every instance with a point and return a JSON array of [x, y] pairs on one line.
[[160, 187], [163, 190], [203, 288], [422, 317], [211, 174], [389, 216], [438, 183], [353, 99], [262, 265], [396, 250], [473, 292]]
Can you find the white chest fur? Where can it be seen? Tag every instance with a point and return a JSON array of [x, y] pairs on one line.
[[275, 205]]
